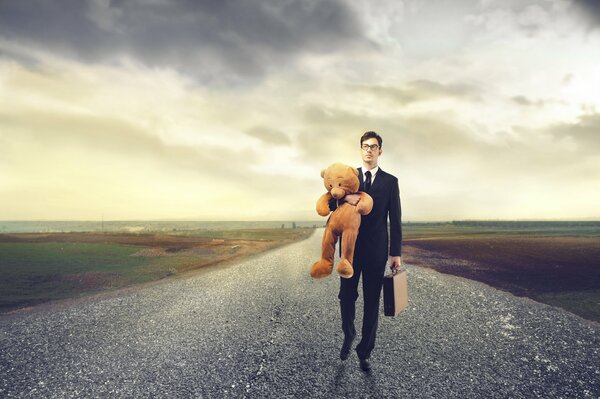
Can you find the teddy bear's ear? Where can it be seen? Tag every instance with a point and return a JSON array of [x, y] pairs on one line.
[[355, 171], [323, 172]]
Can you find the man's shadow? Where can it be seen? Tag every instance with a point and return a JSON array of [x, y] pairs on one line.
[[339, 376], [341, 381]]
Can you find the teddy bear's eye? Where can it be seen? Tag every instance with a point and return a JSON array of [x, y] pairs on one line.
[[340, 184], [331, 185]]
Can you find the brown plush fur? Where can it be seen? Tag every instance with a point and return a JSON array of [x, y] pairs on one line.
[[340, 180]]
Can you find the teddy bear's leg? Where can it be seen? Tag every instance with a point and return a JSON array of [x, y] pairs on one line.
[[323, 267], [345, 268]]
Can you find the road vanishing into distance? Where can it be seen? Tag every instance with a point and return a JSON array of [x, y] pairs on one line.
[[263, 328]]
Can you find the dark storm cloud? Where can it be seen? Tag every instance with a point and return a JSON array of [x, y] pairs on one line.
[[591, 8], [216, 41]]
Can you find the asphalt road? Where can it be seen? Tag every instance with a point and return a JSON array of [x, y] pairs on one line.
[[263, 328]]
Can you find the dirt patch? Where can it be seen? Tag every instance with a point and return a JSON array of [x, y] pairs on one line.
[[521, 265], [559, 271], [199, 251]]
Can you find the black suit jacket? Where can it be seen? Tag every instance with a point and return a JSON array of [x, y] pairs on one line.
[[373, 240]]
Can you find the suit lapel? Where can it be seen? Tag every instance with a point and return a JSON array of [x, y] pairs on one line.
[[361, 187], [376, 183], [378, 179]]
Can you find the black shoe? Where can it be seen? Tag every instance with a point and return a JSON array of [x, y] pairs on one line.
[[365, 365], [345, 351]]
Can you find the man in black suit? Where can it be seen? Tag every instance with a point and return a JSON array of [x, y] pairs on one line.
[[371, 251]]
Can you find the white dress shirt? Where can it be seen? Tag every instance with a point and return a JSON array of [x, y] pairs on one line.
[[373, 174]]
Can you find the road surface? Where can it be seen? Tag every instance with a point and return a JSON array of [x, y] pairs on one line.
[[263, 328]]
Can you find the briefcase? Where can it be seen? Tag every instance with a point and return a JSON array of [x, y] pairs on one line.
[[395, 292]]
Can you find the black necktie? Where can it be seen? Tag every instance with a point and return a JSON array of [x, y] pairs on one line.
[[368, 181]]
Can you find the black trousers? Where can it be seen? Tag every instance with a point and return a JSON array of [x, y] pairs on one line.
[[372, 282]]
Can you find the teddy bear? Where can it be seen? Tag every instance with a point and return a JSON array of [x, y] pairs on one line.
[[340, 180]]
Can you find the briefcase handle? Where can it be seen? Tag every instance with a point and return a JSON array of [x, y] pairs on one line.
[[397, 270]]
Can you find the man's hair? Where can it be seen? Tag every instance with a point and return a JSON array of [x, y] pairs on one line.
[[370, 135]]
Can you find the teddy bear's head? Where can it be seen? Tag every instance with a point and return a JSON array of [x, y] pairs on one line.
[[340, 179]]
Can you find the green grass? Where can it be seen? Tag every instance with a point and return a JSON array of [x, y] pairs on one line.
[[36, 272], [47, 258]]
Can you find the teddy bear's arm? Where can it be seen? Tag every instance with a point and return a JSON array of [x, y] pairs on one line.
[[365, 204], [323, 204]]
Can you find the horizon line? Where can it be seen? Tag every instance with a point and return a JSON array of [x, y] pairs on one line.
[[591, 219]]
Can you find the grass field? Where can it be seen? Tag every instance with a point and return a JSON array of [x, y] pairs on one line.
[[557, 263], [554, 263], [37, 268]]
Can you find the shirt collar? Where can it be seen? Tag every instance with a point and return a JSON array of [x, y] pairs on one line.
[[373, 171]]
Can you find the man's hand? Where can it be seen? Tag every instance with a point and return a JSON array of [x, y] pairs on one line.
[[352, 199], [396, 263]]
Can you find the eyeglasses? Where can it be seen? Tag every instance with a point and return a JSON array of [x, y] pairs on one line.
[[372, 147]]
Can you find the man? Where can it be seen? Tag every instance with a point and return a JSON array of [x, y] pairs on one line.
[[371, 251]]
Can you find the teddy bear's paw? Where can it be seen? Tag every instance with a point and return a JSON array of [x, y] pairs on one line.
[[362, 209], [345, 269], [321, 269], [323, 210], [323, 213]]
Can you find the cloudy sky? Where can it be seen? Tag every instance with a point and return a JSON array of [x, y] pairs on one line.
[[228, 110]]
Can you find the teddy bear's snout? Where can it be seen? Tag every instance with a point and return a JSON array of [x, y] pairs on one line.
[[337, 192]]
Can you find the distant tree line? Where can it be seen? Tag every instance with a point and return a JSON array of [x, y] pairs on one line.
[[526, 223]]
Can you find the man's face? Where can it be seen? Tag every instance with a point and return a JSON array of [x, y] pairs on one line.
[[370, 151]]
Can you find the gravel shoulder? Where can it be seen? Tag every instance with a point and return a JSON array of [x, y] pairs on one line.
[[263, 328]]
